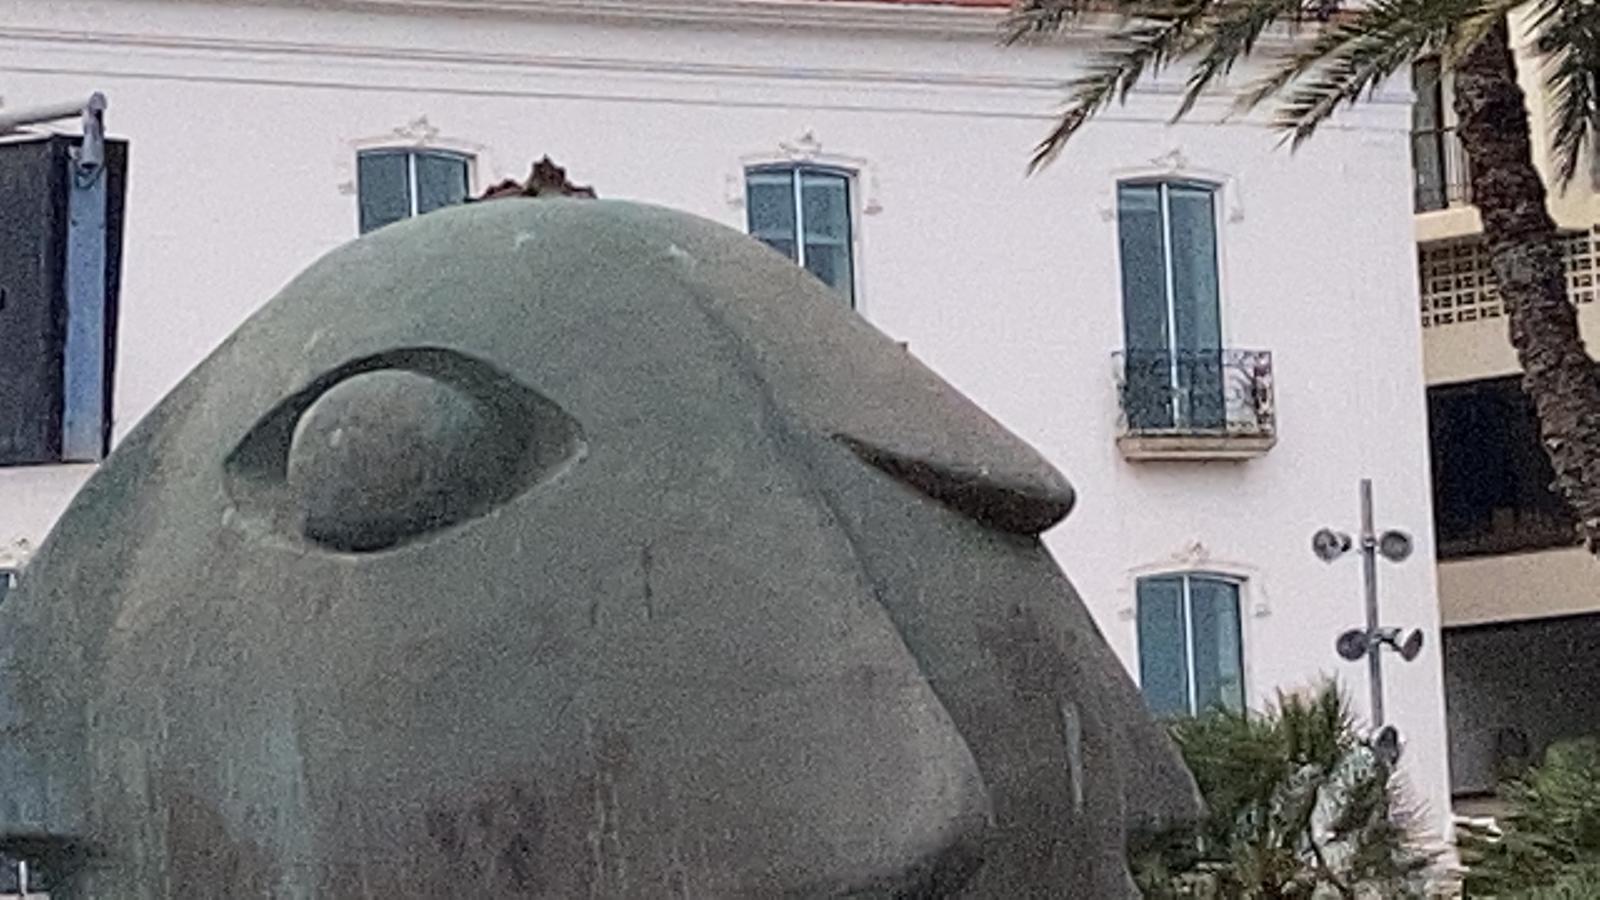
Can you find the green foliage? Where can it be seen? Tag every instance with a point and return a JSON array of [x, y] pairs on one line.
[[1297, 806], [1582, 883], [1353, 48], [1549, 845]]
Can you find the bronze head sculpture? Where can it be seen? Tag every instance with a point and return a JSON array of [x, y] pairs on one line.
[[567, 548]]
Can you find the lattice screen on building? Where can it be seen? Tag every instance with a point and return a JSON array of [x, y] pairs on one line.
[[1457, 285]]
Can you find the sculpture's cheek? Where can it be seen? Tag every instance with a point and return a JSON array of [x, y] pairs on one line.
[[795, 794]]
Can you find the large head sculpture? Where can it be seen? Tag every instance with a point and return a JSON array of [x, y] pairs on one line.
[[554, 548]]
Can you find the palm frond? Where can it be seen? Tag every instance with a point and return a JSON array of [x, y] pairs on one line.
[[1031, 19], [1232, 35], [1567, 38], [1140, 46], [1553, 829], [1154, 34], [1473, 27], [1353, 57], [1355, 51], [1296, 805]]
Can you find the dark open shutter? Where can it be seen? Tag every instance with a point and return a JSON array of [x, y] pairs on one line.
[[33, 228], [35, 191]]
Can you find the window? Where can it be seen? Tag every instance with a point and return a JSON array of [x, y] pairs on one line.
[[1491, 476], [1172, 328], [1190, 653], [398, 184], [18, 878], [804, 213], [1427, 136], [1438, 164]]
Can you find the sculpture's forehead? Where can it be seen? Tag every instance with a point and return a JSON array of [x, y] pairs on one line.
[[608, 308]]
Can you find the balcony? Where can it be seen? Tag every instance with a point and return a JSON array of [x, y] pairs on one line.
[[1195, 404]]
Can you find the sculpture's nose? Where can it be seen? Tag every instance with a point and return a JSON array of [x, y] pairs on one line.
[[940, 846], [924, 836], [945, 870]]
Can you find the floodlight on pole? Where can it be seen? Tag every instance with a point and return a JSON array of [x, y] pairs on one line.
[[1369, 642], [1329, 545], [1386, 745]]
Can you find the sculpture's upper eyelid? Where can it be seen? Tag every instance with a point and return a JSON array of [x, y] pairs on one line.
[[1013, 504]]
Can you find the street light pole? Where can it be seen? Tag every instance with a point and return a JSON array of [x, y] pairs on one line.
[[1370, 641], [1369, 573]]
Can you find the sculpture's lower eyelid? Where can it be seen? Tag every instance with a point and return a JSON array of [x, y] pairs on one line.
[[393, 447]]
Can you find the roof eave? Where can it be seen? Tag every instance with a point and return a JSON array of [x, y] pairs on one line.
[[943, 18]]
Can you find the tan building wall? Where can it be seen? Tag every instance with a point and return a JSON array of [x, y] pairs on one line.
[[1516, 674], [1469, 351], [1518, 586]]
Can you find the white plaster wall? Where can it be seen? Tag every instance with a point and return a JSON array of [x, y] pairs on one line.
[[242, 121]]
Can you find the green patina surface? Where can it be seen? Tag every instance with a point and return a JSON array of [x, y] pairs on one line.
[[557, 548]]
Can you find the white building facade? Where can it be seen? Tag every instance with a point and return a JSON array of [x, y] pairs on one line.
[[1213, 338]]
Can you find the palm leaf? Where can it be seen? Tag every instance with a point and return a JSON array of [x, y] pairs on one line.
[[1474, 27], [1034, 19], [1232, 36], [1354, 57], [1553, 830], [1295, 804], [1354, 52], [1139, 46], [1567, 38]]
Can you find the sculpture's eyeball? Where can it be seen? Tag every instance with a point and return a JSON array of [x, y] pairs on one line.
[[394, 447], [389, 455]]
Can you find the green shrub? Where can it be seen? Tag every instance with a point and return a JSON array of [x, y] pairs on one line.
[[1578, 883], [1548, 846], [1298, 806]]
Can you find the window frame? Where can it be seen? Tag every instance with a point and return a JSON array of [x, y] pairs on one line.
[[468, 159], [1186, 577], [795, 169]]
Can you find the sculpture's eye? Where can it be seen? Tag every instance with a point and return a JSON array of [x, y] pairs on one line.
[[396, 446]]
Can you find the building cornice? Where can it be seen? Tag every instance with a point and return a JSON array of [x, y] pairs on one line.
[[972, 19], [847, 16], [936, 18], [447, 58]]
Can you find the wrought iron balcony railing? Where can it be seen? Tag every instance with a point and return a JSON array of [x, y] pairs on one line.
[[1202, 393]]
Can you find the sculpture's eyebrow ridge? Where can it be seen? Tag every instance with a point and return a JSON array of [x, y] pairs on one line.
[[1022, 503]]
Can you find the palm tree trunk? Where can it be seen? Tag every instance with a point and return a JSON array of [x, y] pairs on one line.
[[1525, 252]]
